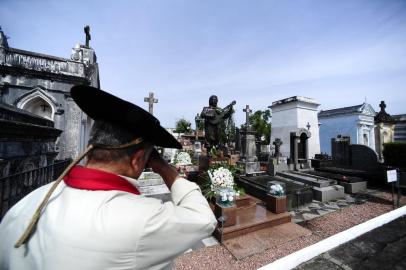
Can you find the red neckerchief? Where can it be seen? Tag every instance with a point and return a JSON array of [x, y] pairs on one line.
[[91, 179]]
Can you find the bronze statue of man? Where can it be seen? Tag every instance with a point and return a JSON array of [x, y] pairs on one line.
[[214, 118]]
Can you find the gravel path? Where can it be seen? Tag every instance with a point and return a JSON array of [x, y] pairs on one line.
[[217, 257]]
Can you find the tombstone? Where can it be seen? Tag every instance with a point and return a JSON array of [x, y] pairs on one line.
[[248, 159], [340, 149], [151, 184], [277, 162]]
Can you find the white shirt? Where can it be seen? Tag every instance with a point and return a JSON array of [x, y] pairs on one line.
[[82, 229]]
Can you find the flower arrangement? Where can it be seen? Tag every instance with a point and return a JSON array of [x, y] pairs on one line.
[[182, 159], [222, 185], [276, 190], [221, 178]]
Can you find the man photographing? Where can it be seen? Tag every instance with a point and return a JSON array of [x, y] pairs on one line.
[[96, 218]]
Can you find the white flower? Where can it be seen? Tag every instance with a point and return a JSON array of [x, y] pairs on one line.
[[182, 158], [221, 178], [276, 190]]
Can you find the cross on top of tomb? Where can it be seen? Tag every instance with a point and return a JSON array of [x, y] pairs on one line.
[[247, 111], [86, 29], [383, 106], [151, 100]]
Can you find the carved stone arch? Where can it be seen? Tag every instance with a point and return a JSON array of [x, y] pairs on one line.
[[300, 131], [38, 102]]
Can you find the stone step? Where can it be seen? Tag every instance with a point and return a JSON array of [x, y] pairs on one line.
[[312, 181], [324, 194], [251, 219], [354, 187]]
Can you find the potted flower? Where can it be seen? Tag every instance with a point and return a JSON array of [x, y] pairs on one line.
[[276, 199], [222, 185]]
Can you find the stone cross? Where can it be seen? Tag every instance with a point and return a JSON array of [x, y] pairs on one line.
[[308, 126], [383, 106], [88, 36], [247, 111], [277, 143], [151, 100]]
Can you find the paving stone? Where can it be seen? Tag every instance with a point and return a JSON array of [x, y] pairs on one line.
[[314, 205], [332, 206], [320, 264], [211, 241], [303, 209], [340, 204], [322, 212], [309, 216]]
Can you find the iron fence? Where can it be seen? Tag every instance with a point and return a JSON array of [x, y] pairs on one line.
[[15, 187]]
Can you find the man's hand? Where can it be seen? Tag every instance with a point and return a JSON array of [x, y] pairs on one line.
[[161, 167]]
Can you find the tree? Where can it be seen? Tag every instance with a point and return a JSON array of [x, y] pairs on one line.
[[261, 123], [183, 126]]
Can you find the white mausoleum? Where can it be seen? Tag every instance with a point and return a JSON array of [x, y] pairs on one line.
[[295, 122]]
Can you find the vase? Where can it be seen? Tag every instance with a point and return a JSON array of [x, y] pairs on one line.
[[276, 204], [225, 197]]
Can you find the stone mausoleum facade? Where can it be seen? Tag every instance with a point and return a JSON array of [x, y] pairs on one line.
[[40, 84], [294, 121], [356, 122]]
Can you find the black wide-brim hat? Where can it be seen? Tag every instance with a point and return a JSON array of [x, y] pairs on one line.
[[100, 105]]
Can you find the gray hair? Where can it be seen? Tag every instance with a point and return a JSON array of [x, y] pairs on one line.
[[107, 133]]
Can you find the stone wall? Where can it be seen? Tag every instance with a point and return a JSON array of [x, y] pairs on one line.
[[292, 114], [26, 141]]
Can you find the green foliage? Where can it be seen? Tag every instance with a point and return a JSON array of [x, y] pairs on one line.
[[200, 125], [261, 123], [183, 126], [230, 129], [227, 130], [394, 154]]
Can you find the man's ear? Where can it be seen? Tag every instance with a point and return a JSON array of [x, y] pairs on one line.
[[138, 161]]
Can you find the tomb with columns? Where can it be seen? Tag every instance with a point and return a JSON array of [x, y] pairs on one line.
[[295, 123]]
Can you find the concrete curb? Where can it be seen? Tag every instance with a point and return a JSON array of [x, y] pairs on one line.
[[308, 253]]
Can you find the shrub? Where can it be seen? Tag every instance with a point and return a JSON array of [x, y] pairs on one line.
[[394, 154]]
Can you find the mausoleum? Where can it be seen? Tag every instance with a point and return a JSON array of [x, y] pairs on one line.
[[294, 121], [40, 84], [356, 122]]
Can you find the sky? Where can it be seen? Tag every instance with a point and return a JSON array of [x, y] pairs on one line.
[[339, 53]]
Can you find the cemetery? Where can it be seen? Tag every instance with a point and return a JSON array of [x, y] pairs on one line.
[[289, 177], [276, 203]]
